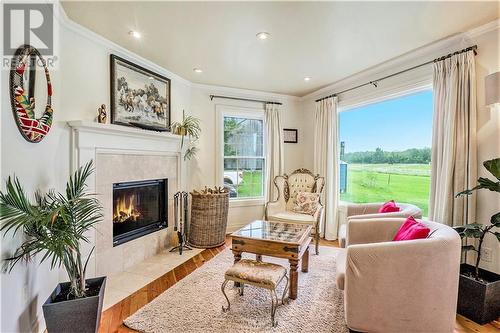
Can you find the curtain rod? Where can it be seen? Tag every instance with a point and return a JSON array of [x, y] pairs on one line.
[[243, 99], [375, 82]]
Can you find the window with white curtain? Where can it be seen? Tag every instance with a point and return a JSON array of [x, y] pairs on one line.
[[243, 154]]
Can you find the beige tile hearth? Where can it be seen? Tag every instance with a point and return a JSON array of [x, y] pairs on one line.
[[121, 285]]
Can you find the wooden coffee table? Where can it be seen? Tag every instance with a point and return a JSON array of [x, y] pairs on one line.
[[275, 239]]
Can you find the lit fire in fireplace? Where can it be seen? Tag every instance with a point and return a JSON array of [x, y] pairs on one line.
[[125, 211]]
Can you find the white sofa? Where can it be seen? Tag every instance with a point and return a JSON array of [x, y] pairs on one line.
[[403, 286], [352, 211], [281, 210]]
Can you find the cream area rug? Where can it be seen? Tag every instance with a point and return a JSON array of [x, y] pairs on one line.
[[194, 304]]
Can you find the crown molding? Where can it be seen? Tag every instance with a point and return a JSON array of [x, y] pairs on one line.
[[71, 25], [412, 58], [245, 93], [417, 56], [483, 29]]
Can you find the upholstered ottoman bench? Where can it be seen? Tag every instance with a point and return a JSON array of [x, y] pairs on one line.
[[258, 274]]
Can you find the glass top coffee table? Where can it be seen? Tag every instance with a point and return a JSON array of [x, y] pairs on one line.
[[275, 239]]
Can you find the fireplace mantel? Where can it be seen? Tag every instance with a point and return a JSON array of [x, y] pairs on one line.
[[118, 146], [92, 137], [119, 130]]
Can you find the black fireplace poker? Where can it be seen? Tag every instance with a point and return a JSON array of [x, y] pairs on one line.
[[180, 220]]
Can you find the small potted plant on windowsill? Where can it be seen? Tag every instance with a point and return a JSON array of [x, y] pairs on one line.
[[190, 127], [54, 225], [479, 289]]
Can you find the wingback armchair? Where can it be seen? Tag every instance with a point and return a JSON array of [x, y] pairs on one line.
[[402, 286], [353, 211], [282, 210]]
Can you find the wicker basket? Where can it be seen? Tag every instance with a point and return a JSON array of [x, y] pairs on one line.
[[208, 219]]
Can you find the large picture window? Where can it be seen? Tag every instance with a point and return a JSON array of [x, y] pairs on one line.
[[243, 157], [385, 151]]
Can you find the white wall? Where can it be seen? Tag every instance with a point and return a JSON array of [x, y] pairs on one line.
[[488, 138], [38, 166], [203, 169]]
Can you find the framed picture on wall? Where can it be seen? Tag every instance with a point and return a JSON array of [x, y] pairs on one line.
[[290, 135], [139, 97]]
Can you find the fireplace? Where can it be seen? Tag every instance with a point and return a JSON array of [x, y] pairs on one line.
[[139, 208]]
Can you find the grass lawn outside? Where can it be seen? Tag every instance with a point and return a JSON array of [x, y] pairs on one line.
[[251, 186], [407, 183]]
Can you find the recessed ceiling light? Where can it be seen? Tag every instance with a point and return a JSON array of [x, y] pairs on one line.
[[135, 34], [263, 35], [307, 79], [198, 70]]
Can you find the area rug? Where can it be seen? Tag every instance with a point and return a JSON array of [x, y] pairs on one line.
[[194, 304]]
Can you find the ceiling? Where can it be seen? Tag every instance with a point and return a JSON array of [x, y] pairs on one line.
[[326, 41]]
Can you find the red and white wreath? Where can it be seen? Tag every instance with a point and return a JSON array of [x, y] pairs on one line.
[[23, 105]]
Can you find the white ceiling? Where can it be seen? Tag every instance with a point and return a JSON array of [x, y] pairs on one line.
[[326, 41]]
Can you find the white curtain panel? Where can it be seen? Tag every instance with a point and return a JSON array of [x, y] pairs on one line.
[[454, 155], [326, 161], [274, 149]]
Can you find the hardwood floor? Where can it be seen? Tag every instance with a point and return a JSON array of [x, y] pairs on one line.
[[112, 318]]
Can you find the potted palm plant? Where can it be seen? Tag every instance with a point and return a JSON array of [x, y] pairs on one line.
[[54, 226], [190, 127], [479, 289]]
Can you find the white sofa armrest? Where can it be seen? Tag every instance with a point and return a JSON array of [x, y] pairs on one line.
[[362, 209], [406, 286], [372, 230]]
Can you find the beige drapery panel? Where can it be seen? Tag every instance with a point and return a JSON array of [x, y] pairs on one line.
[[274, 149], [326, 161], [454, 154]]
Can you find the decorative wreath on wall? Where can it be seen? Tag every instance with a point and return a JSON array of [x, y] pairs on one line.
[[23, 103]]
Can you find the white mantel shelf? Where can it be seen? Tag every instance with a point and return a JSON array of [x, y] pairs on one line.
[[119, 130], [88, 138]]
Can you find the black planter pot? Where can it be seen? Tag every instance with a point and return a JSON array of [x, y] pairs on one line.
[[479, 300], [77, 315]]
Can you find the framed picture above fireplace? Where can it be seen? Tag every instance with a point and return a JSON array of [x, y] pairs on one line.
[[139, 96], [139, 208]]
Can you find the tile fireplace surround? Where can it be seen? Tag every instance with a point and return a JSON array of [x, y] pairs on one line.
[[125, 154]]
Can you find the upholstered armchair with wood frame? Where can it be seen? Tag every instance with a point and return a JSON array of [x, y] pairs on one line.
[[284, 208]]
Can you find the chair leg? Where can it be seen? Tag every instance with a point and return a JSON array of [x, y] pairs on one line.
[[316, 238], [223, 287], [241, 288], [274, 305]]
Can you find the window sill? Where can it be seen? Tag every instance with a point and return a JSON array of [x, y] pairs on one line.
[[246, 202]]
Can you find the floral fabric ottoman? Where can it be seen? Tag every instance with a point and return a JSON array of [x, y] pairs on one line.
[[258, 274]]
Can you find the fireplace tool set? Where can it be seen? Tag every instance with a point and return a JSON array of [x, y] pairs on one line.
[[181, 220]]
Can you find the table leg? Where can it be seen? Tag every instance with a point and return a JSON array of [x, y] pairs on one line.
[[305, 261], [294, 278], [237, 257], [258, 257]]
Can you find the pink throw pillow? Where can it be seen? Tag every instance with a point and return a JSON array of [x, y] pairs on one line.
[[389, 207], [411, 229]]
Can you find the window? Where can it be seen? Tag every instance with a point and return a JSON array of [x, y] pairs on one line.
[[385, 151], [243, 155]]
